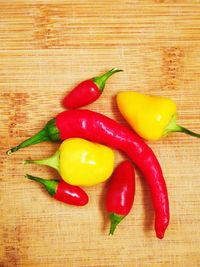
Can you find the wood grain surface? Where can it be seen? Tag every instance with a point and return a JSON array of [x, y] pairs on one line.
[[46, 48]]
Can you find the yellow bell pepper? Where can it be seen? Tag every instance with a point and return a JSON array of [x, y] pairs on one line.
[[151, 117], [81, 162]]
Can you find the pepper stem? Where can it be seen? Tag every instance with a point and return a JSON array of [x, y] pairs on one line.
[[50, 185], [173, 127], [53, 161], [100, 81], [37, 138], [49, 132], [115, 220]]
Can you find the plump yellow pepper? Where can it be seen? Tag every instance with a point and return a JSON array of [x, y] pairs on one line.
[[85, 163], [151, 117], [81, 162]]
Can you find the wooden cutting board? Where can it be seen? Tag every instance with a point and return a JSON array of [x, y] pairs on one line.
[[46, 48]]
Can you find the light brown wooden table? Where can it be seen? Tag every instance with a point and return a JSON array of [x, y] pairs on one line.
[[46, 48]]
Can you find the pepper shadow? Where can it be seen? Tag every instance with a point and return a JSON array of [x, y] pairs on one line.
[[102, 206], [146, 202], [116, 114]]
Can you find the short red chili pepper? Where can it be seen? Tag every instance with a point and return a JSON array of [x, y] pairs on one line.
[[87, 91], [62, 191], [101, 129], [121, 192]]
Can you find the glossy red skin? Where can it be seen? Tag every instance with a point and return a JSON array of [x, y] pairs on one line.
[[121, 191], [101, 129], [83, 94], [71, 194]]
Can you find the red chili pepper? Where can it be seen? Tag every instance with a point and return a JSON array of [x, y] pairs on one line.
[[87, 91], [101, 129], [121, 192], [62, 191]]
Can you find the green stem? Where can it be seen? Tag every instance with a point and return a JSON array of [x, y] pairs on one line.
[[186, 131], [100, 81], [50, 185], [49, 132], [115, 220], [37, 138], [53, 161], [173, 127]]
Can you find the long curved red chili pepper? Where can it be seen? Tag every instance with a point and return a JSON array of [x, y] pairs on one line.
[[120, 194], [87, 91], [62, 191], [101, 129]]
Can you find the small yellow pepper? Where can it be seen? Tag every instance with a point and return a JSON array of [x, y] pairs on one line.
[[151, 117], [81, 162]]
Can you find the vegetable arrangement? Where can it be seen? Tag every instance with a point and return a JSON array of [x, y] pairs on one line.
[[86, 156]]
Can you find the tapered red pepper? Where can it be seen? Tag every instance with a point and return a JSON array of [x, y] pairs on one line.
[[120, 195], [87, 91], [62, 191], [151, 117]]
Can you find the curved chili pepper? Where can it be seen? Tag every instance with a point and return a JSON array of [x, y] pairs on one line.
[[87, 91], [121, 192], [101, 129], [62, 191]]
